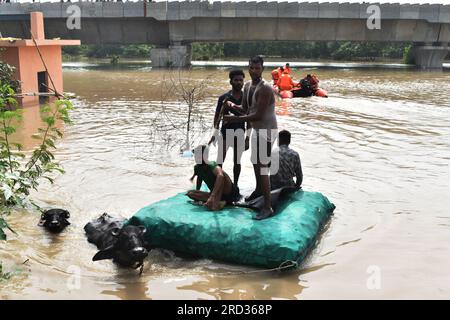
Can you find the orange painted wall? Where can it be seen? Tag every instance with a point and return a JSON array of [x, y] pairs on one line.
[[28, 63], [31, 64]]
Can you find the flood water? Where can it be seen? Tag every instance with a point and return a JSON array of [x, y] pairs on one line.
[[378, 148]]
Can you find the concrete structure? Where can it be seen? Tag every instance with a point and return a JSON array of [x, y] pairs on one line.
[[176, 55], [430, 56], [29, 68], [169, 25]]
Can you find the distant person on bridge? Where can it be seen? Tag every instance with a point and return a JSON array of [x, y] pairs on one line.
[[285, 82]]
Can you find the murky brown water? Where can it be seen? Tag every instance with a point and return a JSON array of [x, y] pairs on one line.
[[379, 148]]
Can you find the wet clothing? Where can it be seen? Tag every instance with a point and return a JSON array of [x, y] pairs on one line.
[[237, 142], [206, 173], [289, 166], [269, 120], [233, 196], [234, 126], [261, 147], [264, 130]]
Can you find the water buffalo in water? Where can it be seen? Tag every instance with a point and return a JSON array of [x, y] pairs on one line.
[[124, 244], [55, 220]]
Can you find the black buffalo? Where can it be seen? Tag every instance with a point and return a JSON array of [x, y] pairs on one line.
[[55, 220], [124, 244]]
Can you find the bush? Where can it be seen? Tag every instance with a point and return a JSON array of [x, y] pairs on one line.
[[408, 55], [136, 51], [6, 75]]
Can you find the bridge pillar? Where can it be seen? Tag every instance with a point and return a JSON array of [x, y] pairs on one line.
[[176, 55], [430, 56]]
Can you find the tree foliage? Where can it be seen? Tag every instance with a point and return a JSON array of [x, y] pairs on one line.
[[106, 51], [367, 51], [22, 172]]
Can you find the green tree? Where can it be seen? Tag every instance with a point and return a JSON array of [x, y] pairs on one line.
[[408, 55]]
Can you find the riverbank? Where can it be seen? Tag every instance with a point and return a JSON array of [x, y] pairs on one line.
[[130, 63]]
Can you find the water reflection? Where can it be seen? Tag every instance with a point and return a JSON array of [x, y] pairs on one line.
[[128, 289], [263, 286]]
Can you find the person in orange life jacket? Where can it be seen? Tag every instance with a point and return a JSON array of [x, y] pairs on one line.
[[285, 82], [313, 80], [287, 68], [276, 74]]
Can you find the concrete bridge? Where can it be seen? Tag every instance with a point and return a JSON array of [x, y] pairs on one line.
[[172, 26]]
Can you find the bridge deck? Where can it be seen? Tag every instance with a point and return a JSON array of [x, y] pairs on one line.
[[185, 10]]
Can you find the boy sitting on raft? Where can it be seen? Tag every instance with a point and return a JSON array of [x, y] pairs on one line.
[[222, 190]]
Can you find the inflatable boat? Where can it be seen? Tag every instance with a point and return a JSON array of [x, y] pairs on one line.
[[299, 93], [306, 87], [232, 235]]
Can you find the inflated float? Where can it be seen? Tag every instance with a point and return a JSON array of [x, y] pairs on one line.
[[299, 93], [232, 235], [306, 87]]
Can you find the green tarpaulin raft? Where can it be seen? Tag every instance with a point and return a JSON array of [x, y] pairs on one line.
[[231, 235]]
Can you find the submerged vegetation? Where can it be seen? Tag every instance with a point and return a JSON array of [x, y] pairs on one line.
[[114, 59], [180, 90], [4, 275]]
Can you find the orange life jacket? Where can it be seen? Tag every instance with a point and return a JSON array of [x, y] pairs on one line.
[[288, 69], [285, 82], [314, 81], [275, 75]]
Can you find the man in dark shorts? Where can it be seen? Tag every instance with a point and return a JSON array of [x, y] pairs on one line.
[[232, 134], [259, 100], [222, 190]]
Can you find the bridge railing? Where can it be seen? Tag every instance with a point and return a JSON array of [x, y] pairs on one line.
[[185, 10]]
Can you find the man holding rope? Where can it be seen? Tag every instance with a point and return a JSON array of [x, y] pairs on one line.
[[231, 134]]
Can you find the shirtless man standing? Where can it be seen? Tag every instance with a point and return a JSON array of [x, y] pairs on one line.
[[259, 100]]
